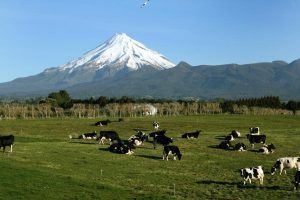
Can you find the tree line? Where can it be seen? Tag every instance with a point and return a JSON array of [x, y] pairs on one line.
[[60, 104]]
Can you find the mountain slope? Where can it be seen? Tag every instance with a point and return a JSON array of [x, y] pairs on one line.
[[206, 82], [118, 56]]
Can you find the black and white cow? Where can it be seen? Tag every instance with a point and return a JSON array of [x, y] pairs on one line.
[[297, 180], [156, 133], [108, 135], [254, 131], [253, 173], [7, 140], [155, 125], [226, 145], [191, 135], [138, 139], [103, 123], [256, 139], [240, 147], [285, 162], [120, 148], [171, 149], [162, 139], [233, 135], [267, 149], [88, 136]]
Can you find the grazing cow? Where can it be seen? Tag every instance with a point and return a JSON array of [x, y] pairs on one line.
[[171, 149], [189, 135], [155, 125], [88, 136], [267, 149], [7, 140], [256, 139], [226, 145], [138, 139], [162, 139], [103, 123], [120, 148], [252, 173], [240, 147], [285, 162], [254, 131], [156, 133], [297, 180], [108, 135]]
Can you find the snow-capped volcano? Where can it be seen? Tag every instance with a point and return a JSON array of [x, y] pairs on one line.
[[119, 52]]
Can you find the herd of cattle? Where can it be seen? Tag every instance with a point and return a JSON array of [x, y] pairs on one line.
[[159, 137]]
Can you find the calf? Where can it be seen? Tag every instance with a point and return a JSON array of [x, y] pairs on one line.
[[108, 135], [297, 180], [189, 135], [7, 140], [267, 149], [103, 123], [240, 147], [254, 131], [88, 136], [162, 139], [252, 173], [256, 139], [171, 149], [285, 162], [155, 125], [120, 148]]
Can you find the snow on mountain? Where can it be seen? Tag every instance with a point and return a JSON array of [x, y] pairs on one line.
[[117, 53]]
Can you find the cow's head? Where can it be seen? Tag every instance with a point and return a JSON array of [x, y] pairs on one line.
[[179, 156], [275, 167]]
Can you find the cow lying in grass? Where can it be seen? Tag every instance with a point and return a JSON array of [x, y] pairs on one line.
[[267, 149], [138, 139], [191, 135], [7, 140], [103, 123], [120, 148]]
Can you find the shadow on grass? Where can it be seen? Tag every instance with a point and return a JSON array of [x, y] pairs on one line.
[[150, 157], [103, 149], [220, 137], [214, 146], [140, 129], [82, 142], [238, 184]]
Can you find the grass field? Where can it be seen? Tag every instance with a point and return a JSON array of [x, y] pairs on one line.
[[46, 164]]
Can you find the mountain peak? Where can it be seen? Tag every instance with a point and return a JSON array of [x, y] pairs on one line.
[[119, 52]]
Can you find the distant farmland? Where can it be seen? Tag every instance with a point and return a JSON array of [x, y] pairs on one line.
[[46, 164]]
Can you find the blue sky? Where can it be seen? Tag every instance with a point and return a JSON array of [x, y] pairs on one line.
[[36, 34]]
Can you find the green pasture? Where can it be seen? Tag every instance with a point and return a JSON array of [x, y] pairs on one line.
[[46, 164]]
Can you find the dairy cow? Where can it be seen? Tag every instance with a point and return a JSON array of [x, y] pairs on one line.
[[253, 173]]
